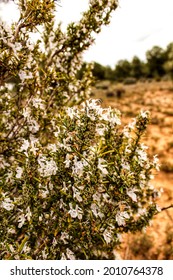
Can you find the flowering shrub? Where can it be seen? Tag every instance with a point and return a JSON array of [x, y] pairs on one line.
[[72, 179]]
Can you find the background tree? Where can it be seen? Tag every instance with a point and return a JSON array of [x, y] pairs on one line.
[[98, 71], [168, 66], [137, 70], [109, 73], [158, 64], [122, 70], [155, 62]]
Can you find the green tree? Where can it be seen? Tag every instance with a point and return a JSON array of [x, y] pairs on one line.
[[168, 66], [137, 68], [122, 70], [109, 73], [72, 180], [155, 62], [98, 71]]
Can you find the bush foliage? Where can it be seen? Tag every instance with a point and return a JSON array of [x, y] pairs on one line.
[[72, 179]]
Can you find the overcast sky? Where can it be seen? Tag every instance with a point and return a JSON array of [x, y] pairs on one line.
[[136, 26]]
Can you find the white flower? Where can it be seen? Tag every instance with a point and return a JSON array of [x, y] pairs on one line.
[[102, 166], [54, 242], [119, 237], [105, 114], [120, 218], [125, 166], [67, 161], [75, 212], [158, 208], [107, 236], [52, 148], [44, 254], [70, 254], [63, 257], [78, 166], [7, 204], [47, 167], [64, 189], [142, 156], [34, 141], [100, 130], [76, 194], [92, 108], [126, 132], [26, 249], [64, 236], [19, 171], [33, 126], [127, 149], [11, 248], [56, 133], [23, 76], [40, 218], [38, 102], [132, 124], [141, 211], [71, 112], [28, 214], [24, 147], [132, 195], [110, 116], [43, 192], [117, 256], [62, 205], [65, 144], [156, 162], [9, 86], [142, 176], [26, 112], [93, 104], [97, 196], [144, 147], [106, 197], [21, 220], [11, 231], [96, 210], [144, 114]]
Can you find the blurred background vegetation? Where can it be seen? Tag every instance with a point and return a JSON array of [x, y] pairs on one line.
[[158, 65]]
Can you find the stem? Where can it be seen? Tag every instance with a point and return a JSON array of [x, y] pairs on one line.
[[168, 207]]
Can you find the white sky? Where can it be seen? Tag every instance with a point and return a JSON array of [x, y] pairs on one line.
[[136, 26]]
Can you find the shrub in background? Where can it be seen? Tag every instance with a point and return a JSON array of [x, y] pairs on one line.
[[130, 81], [72, 179]]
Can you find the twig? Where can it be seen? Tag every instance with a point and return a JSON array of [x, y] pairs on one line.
[[20, 25], [165, 208]]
